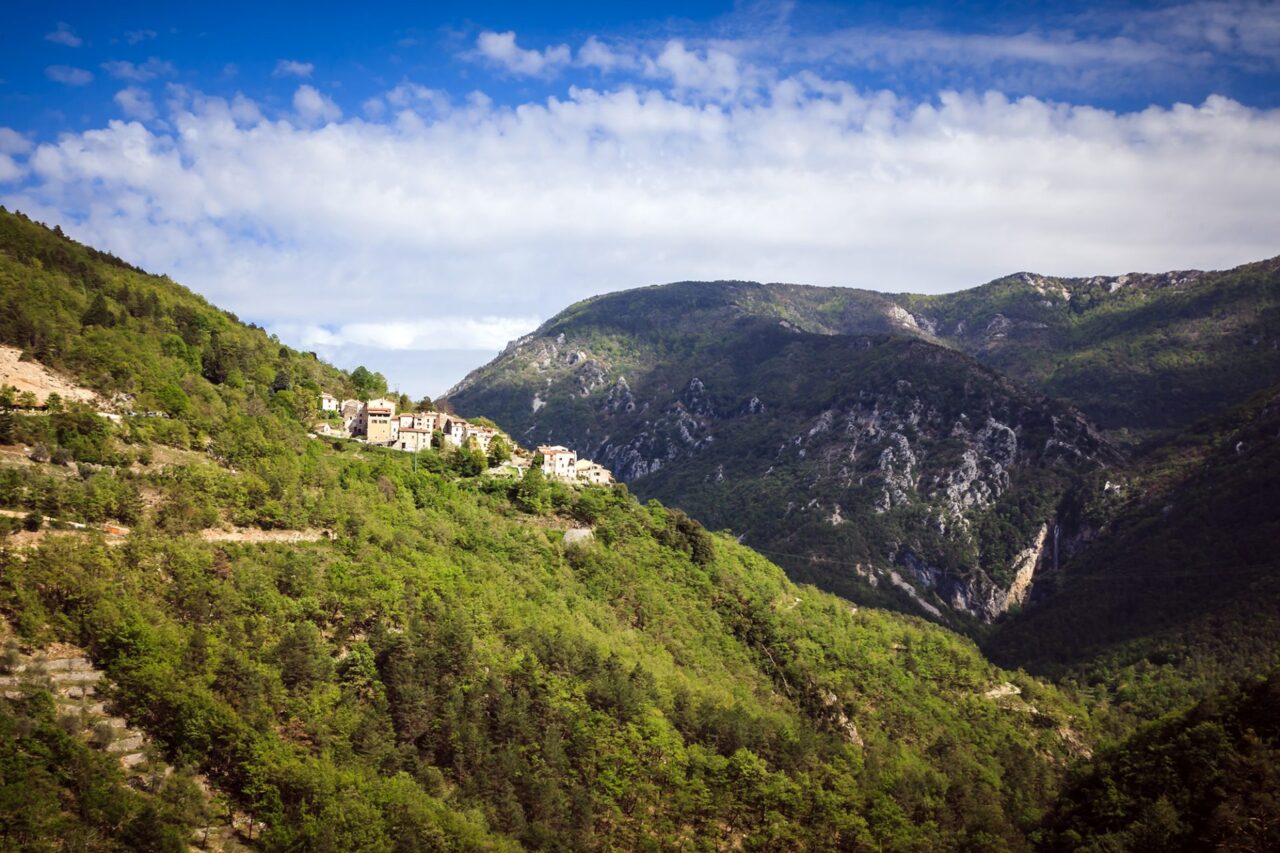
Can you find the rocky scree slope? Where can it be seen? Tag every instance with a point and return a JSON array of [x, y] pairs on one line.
[[883, 467]]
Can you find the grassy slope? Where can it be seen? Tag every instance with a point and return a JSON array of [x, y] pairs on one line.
[[445, 672]]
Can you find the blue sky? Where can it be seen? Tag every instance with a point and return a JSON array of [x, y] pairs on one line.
[[415, 184]]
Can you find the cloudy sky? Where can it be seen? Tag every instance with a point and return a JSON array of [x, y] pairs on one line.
[[410, 188]]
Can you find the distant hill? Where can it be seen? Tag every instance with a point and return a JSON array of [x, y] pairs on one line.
[[884, 467]]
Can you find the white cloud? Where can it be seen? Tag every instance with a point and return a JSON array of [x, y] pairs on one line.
[[502, 50], [313, 107], [10, 169], [12, 142], [425, 334], [712, 72], [289, 68], [244, 111], [136, 103], [393, 233], [68, 76], [1109, 48], [1236, 30], [901, 46], [64, 35], [596, 54], [139, 73], [139, 36]]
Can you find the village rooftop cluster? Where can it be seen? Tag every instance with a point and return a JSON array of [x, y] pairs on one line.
[[376, 422]]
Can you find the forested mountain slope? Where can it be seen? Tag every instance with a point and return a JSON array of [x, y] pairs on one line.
[[1204, 779], [1179, 591], [890, 473], [441, 670], [145, 342], [433, 664]]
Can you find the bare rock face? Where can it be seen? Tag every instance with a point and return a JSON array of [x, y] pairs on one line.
[[976, 594]]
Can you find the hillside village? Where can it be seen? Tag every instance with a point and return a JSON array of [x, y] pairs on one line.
[[377, 422], [29, 385]]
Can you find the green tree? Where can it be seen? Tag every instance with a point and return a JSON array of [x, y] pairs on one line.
[[499, 451], [532, 493], [469, 461], [173, 400], [98, 313], [368, 383], [303, 656]]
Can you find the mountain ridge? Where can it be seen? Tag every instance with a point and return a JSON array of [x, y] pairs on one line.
[[606, 377]]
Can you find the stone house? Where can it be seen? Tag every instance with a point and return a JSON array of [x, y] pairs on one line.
[[455, 431], [430, 421], [350, 412], [413, 439], [328, 403], [593, 472], [374, 422], [559, 462]]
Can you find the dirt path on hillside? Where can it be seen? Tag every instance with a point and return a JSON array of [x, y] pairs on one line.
[[116, 534], [254, 535]]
